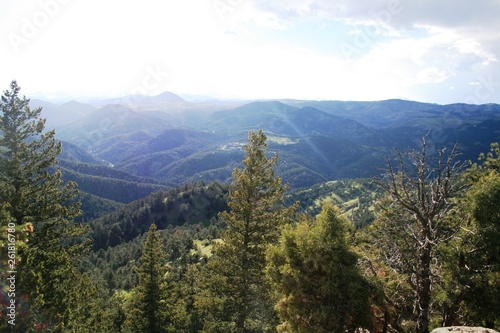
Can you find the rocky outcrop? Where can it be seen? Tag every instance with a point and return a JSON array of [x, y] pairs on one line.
[[463, 329]]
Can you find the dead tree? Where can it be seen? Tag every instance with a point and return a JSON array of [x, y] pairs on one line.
[[418, 203]]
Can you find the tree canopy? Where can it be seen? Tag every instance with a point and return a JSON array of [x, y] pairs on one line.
[[316, 279], [42, 209], [237, 298]]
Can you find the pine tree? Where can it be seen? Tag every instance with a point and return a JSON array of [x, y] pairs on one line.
[[37, 200], [473, 262], [316, 279], [236, 298], [148, 311]]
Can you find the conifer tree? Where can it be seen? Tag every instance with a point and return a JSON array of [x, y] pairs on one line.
[[36, 199], [472, 262], [484, 257], [315, 277], [148, 311], [236, 297]]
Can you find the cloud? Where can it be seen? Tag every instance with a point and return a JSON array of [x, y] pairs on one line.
[[400, 14], [320, 49], [430, 75], [469, 20]]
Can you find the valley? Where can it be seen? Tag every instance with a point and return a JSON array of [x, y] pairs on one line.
[[188, 187], [171, 141]]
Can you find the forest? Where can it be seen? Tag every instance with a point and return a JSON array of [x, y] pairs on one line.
[[410, 250]]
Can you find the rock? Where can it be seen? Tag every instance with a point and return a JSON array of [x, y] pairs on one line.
[[463, 329]]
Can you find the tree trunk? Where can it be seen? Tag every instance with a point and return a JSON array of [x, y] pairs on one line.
[[424, 288]]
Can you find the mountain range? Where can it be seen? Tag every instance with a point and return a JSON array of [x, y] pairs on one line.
[[157, 142]]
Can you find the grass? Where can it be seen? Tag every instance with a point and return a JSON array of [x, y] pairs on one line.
[[282, 140], [204, 246]]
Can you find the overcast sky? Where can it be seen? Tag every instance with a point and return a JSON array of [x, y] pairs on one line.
[[440, 51]]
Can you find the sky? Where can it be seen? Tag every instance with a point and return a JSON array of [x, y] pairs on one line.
[[438, 51]]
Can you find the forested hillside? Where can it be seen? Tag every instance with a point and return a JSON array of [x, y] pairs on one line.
[[188, 204], [267, 216], [180, 142]]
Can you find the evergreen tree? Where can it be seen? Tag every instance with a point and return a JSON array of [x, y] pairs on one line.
[[472, 264], [148, 310], [185, 316], [484, 300], [37, 200], [315, 277], [236, 297]]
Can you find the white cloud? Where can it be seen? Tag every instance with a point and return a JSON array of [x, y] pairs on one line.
[[475, 24], [430, 75], [354, 49]]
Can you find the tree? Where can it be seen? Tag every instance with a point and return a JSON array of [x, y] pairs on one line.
[[415, 220], [148, 311], [236, 297], [37, 200], [475, 268], [315, 276], [484, 202]]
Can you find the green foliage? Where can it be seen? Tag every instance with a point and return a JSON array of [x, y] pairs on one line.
[[109, 183], [480, 244], [318, 140], [148, 310], [492, 159], [191, 203], [36, 199], [393, 308], [94, 207], [236, 297], [356, 198], [415, 218], [315, 277]]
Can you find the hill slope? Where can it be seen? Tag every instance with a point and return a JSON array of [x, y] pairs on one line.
[[316, 141]]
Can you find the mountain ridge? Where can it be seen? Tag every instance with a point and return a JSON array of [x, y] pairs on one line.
[[318, 140]]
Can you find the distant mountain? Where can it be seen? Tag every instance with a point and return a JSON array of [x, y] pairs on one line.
[[249, 116], [51, 111], [166, 97], [71, 152], [316, 141], [401, 113], [164, 101], [78, 109], [109, 183], [284, 120], [113, 123], [58, 115]]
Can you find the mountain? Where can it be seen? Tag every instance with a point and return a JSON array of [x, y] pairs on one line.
[[58, 115], [109, 183], [166, 102], [155, 154], [396, 113], [316, 141], [96, 177], [309, 140], [77, 109], [280, 119], [187, 204], [253, 115], [71, 152], [165, 97], [112, 124]]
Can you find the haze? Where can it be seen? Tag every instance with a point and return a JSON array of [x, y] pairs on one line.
[[429, 51]]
